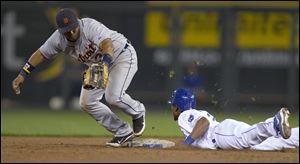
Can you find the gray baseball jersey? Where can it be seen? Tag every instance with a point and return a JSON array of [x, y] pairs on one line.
[[86, 48]]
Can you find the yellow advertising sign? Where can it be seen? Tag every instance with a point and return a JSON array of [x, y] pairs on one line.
[[200, 29], [157, 32], [263, 30], [256, 4]]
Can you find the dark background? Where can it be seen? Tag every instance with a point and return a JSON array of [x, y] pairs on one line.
[[235, 77]]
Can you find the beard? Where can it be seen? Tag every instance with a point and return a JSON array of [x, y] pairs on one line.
[[175, 117]]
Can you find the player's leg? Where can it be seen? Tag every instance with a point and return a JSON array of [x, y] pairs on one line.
[[242, 136], [90, 102], [279, 143], [120, 77], [226, 134], [274, 126]]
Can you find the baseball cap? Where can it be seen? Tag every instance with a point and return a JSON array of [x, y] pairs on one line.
[[66, 20]]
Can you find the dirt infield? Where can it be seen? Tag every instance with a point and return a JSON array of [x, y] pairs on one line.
[[93, 149]]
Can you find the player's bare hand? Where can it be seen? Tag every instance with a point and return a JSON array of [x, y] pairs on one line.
[[105, 75], [17, 83]]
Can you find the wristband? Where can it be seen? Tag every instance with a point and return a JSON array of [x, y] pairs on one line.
[[106, 58], [26, 70], [189, 140]]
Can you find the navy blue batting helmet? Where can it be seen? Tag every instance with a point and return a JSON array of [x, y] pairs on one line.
[[66, 20], [183, 98]]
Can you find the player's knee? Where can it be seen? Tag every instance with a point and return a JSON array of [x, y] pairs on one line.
[[112, 100], [85, 105]]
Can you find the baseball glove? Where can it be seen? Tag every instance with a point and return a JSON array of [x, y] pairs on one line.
[[96, 76]]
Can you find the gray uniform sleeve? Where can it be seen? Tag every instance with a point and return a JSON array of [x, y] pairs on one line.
[[97, 32], [51, 47]]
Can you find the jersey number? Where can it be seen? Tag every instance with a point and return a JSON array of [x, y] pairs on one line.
[[191, 118]]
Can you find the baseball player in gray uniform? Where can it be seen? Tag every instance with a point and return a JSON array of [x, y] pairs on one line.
[[89, 41]]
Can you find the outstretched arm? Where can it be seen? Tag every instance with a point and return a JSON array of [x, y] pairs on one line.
[[35, 59], [198, 131]]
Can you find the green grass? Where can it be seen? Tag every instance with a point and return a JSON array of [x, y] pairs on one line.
[[76, 123]]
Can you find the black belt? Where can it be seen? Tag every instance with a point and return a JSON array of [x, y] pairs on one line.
[[126, 46]]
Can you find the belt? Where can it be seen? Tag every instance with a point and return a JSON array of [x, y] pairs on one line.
[[126, 46]]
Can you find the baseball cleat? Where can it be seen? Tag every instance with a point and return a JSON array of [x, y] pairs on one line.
[[139, 126], [281, 123], [119, 141]]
